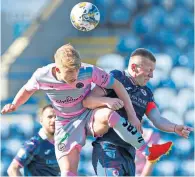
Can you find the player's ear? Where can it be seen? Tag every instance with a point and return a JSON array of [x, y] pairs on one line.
[[57, 70], [40, 120], [133, 67]]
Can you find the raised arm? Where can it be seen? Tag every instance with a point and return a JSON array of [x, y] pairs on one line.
[[164, 124], [21, 97], [24, 94], [14, 169]]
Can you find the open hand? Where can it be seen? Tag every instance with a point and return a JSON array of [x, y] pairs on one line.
[[183, 130], [8, 108], [137, 124]]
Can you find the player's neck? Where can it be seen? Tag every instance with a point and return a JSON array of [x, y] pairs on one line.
[[133, 77], [45, 135], [50, 137]]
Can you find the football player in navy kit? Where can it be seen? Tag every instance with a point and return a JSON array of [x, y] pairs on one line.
[[37, 155], [111, 155]]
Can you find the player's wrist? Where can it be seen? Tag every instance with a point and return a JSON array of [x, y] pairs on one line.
[[15, 105]]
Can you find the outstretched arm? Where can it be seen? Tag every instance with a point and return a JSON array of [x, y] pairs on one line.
[[14, 169], [21, 97], [167, 126]]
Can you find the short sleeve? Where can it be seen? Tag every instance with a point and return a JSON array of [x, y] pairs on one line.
[[151, 103], [101, 78], [117, 75], [26, 153], [32, 84]]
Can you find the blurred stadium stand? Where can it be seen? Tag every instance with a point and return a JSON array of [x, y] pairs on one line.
[[163, 26]]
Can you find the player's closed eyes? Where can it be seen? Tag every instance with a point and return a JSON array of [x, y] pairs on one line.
[[50, 117]]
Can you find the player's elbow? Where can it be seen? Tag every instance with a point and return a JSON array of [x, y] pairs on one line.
[[85, 103]]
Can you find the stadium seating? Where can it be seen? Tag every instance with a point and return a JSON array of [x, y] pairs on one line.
[[163, 26]]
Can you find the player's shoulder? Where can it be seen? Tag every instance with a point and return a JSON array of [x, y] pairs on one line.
[[85, 71], [34, 141], [85, 67], [117, 73], [45, 70]]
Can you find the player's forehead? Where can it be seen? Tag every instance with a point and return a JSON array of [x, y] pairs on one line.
[[69, 70], [142, 60], [48, 111]]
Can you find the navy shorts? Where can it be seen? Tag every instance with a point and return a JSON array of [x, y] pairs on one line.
[[110, 160]]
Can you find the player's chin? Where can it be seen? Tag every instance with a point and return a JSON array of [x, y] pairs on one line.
[[71, 82], [52, 132], [145, 82], [52, 129]]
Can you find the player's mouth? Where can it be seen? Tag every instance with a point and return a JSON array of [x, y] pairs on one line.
[[72, 80]]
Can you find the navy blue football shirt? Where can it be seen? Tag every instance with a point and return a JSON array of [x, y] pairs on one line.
[[142, 100], [37, 157]]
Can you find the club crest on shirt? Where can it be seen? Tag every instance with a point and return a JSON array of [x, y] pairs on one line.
[[143, 92], [61, 147], [79, 85]]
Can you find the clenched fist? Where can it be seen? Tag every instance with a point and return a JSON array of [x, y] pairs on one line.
[[114, 103]]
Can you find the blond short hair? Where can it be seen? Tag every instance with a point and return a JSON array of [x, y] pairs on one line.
[[67, 57]]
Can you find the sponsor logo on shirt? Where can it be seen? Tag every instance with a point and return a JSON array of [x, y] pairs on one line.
[[69, 99], [51, 162], [138, 101]]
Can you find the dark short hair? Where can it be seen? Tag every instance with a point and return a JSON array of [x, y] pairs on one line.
[[45, 107], [143, 53]]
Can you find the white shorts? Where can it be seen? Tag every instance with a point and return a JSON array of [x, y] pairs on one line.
[[71, 132]]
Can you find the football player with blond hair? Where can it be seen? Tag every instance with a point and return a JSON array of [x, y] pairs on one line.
[[67, 82]]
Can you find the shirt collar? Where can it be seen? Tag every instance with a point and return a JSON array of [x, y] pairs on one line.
[[43, 135]]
